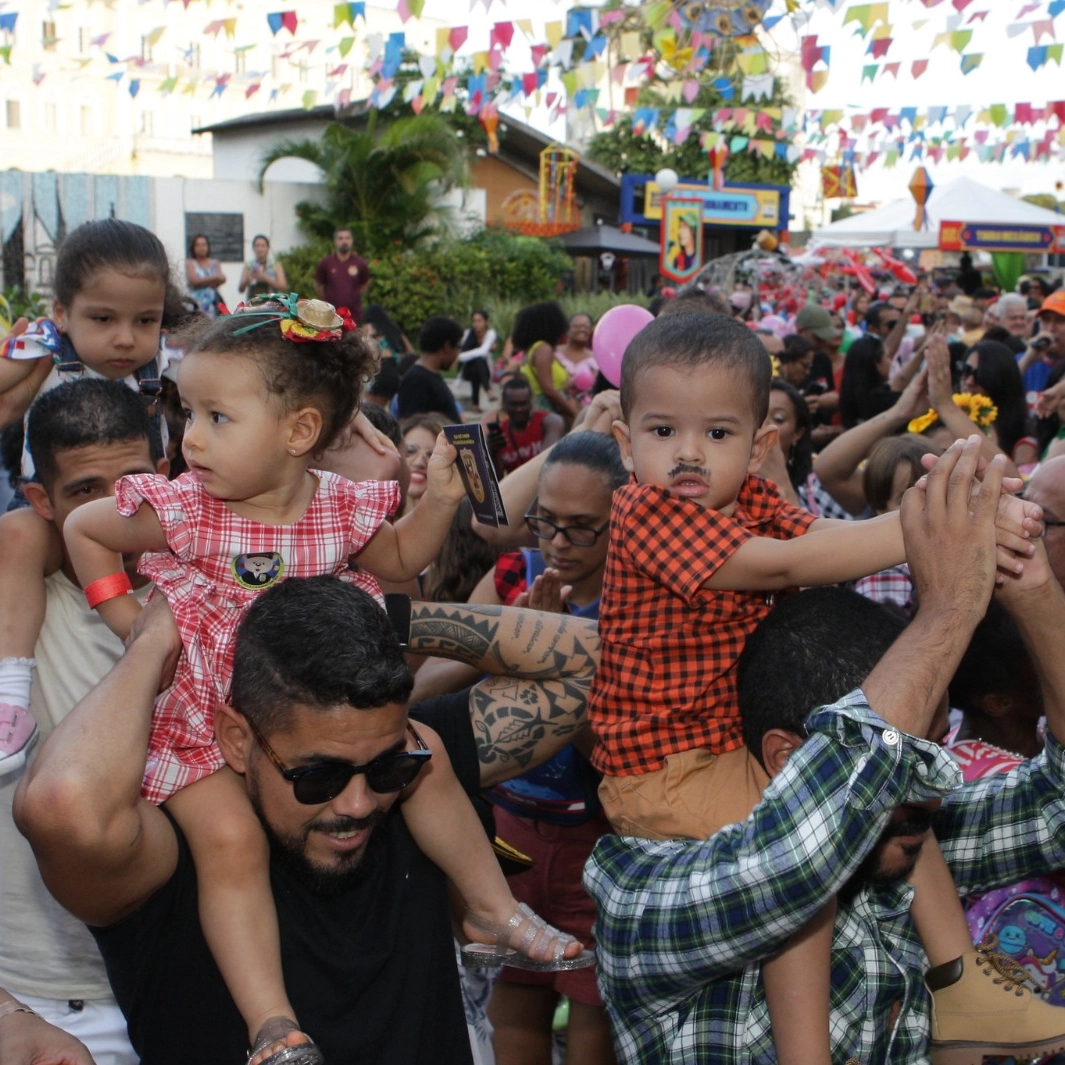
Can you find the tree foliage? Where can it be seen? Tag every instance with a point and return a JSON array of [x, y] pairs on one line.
[[385, 184], [453, 277]]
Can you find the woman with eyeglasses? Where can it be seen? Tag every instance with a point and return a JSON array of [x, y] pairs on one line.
[[552, 814], [419, 438]]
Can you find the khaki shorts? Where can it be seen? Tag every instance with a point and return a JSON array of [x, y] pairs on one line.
[[692, 796]]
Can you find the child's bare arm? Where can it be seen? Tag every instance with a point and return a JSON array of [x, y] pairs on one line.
[[825, 555], [31, 551], [400, 552], [97, 537]]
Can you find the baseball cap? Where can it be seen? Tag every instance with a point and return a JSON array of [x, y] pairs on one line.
[[818, 321], [1053, 304]]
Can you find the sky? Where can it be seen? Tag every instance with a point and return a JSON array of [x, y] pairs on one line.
[[1003, 77]]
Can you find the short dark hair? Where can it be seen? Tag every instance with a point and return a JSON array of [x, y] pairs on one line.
[[384, 421], [597, 452], [996, 662], [437, 333], [516, 383], [192, 243], [343, 229], [695, 340], [876, 312], [537, 322], [813, 649], [84, 413], [107, 244], [326, 374], [316, 642], [795, 348], [260, 236]]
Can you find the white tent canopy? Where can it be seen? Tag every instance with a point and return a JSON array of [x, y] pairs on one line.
[[961, 200]]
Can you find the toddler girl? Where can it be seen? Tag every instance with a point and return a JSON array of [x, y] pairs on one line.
[[110, 284], [265, 391]]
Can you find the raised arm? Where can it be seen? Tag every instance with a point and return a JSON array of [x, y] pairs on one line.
[[940, 392], [101, 848], [543, 666], [97, 537], [838, 465], [519, 488], [400, 552]]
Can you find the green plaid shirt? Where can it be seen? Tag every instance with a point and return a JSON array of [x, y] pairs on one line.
[[682, 924]]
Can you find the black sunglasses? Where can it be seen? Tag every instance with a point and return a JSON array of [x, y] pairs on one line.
[[320, 782], [578, 535]]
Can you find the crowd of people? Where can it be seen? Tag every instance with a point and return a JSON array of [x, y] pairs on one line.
[[736, 821]]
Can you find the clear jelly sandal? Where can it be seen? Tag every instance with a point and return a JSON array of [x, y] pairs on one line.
[[537, 935], [274, 1031]]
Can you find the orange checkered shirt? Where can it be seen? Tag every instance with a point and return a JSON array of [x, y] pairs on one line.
[[667, 680]]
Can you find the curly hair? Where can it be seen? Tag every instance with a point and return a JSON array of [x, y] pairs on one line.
[[328, 375]]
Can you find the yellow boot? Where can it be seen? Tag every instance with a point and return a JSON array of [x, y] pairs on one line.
[[983, 1004]]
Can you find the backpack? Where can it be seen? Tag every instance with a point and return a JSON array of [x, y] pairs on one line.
[[1029, 928]]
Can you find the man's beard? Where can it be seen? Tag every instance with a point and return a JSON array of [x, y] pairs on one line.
[[290, 851], [870, 873]]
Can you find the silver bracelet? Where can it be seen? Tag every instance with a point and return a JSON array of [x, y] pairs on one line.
[[14, 1006]]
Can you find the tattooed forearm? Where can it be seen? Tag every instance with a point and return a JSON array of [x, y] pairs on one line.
[[506, 640], [550, 647], [520, 724], [537, 629], [454, 632]]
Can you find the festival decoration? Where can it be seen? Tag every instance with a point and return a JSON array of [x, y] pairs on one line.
[[838, 182], [681, 230], [920, 187], [980, 409], [612, 336], [300, 320]]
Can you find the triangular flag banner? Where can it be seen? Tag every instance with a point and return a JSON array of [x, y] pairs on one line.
[[970, 62], [308, 99], [289, 20], [273, 20], [134, 86]]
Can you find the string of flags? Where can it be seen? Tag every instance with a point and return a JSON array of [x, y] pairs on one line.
[[598, 61]]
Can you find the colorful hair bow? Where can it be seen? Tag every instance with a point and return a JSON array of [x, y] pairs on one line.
[[299, 320]]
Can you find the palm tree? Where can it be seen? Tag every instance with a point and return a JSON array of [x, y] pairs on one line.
[[386, 186]]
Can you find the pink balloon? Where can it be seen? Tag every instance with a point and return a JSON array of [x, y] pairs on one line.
[[612, 335]]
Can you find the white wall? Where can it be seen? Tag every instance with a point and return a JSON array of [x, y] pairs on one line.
[[237, 153], [273, 213]]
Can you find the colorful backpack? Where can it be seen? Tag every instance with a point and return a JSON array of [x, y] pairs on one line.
[[1028, 927]]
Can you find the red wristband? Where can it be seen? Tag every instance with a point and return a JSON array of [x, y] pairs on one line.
[[109, 587]]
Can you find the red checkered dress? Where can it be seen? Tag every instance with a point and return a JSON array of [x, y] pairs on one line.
[[217, 564], [667, 679]]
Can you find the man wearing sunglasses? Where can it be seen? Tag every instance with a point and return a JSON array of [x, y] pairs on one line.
[[319, 730]]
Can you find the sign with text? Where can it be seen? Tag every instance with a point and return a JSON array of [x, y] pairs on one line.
[[735, 207], [978, 236]]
